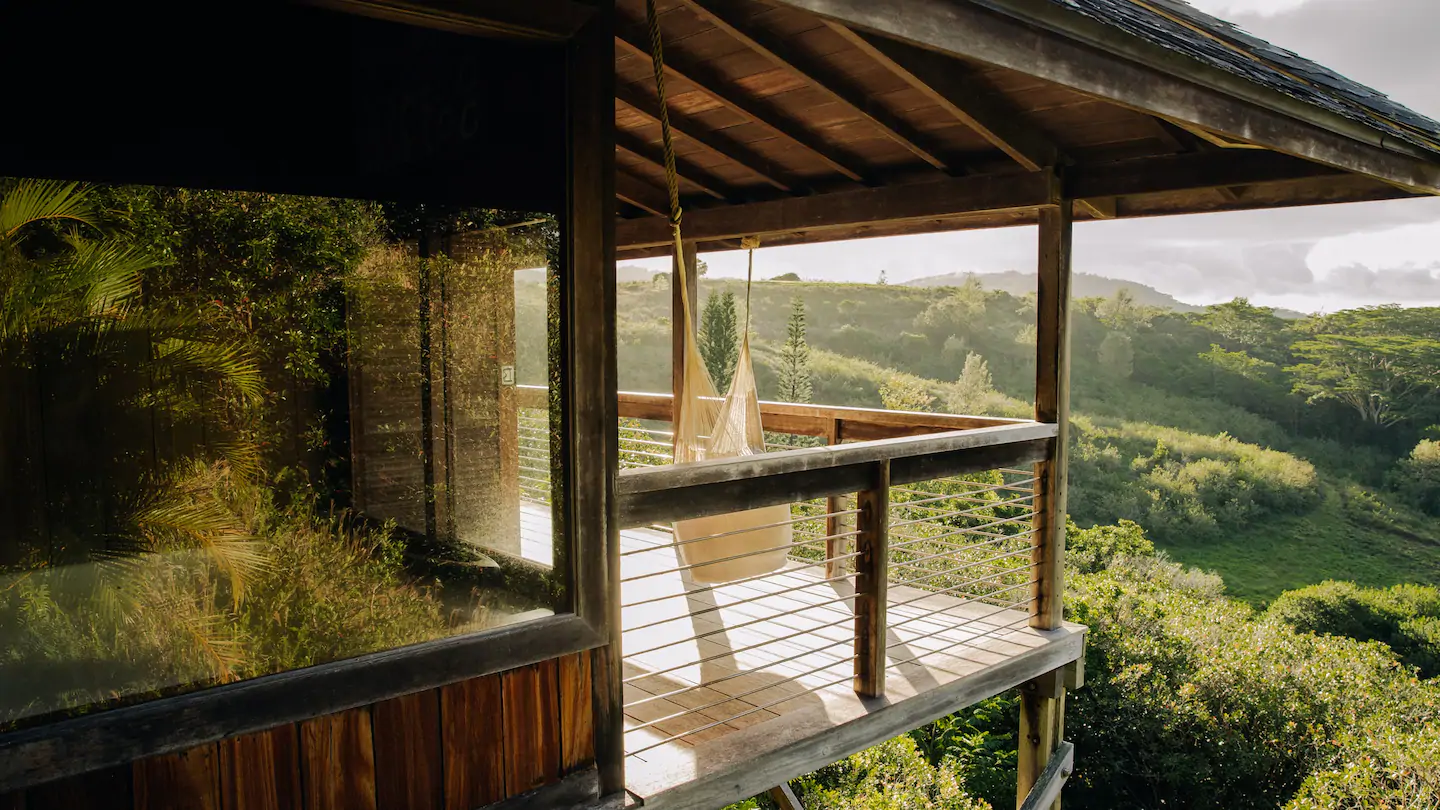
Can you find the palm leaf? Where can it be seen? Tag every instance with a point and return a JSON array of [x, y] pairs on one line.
[[33, 201]]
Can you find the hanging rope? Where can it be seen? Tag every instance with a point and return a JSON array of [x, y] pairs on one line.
[[657, 61]]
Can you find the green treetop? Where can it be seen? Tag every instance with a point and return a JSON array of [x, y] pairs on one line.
[[719, 340], [795, 383]]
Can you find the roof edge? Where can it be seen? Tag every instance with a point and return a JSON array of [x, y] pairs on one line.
[[1042, 39]]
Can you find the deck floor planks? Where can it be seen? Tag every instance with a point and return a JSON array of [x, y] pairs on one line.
[[780, 649]]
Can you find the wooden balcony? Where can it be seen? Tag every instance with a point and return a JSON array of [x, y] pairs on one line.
[[908, 591]]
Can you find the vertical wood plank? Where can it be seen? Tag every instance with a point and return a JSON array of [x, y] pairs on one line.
[[188, 780], [532, 727], [108, 789], [12, 801], [686, 283], [577, 721], [871, 582], [408, 757], [1052, 405], [473, 740], [261, 771], [834, 546], [1042, 728], [593, 376], [337, 760]]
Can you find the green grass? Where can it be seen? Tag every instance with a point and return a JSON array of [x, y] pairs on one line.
[[1282, 552]]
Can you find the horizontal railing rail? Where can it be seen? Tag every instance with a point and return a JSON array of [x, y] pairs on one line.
[[833, 423], [702, 488]]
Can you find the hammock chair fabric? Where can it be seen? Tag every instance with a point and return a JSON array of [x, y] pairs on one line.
[[740, 544]]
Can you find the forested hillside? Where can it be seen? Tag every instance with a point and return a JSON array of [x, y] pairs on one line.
[[1245, 443], [1255, 545]]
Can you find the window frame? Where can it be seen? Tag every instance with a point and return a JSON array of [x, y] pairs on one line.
[[585, 619]]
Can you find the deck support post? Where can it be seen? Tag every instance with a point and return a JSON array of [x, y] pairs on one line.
[[677, 316], [872, 574], [834, 524], [1042, 706]]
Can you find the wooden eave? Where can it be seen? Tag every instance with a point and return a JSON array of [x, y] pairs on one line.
[[812, 120]]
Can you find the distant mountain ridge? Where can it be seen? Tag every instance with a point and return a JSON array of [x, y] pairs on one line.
[[1085, 285]]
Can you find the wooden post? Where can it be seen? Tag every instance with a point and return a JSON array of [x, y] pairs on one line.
[[872, 574], [1052, 405], [834, 546], [677, 317], [1042, 707]]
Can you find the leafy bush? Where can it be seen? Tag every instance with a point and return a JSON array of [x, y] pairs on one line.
[[1379, 769], [1417, 477], [1405, 617], [891, 776], [1090, 550], [1193, 702]]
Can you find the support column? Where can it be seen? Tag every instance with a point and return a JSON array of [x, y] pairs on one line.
[[872, 576], [677, 317], [1042, 704], [834, 546]]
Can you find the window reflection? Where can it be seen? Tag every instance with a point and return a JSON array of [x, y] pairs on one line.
[[246, 433]]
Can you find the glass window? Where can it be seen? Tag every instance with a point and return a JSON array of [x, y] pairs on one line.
[[243, 433]]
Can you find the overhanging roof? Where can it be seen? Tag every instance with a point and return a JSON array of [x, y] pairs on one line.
[[806, 120]]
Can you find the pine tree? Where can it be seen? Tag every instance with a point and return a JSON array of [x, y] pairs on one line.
[[719, 341], [975, 387], [795, 357]]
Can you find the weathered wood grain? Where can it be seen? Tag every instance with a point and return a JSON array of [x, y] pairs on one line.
[[1052, 406], [261, 771], [532, 727], [187, 780], [473, 741], [872, 577], [337, 761], [577, 714], [408, 755]]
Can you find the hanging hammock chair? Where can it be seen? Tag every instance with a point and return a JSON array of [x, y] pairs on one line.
[[732, 546]]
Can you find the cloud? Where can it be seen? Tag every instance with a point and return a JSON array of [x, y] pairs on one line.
[[1228, 8]]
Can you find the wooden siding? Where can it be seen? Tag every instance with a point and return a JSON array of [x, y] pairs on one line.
[[458, 747]]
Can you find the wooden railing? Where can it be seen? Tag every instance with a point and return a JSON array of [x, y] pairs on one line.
[[834, 424]]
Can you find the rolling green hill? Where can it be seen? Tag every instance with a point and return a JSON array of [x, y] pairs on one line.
[[1227, 473]]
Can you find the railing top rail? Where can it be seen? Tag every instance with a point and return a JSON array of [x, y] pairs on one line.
[[803, 419], [697, 489]]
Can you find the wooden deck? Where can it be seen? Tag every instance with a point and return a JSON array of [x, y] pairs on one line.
[[732, 689]]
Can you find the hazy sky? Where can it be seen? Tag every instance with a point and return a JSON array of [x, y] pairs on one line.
[[1316, 258]]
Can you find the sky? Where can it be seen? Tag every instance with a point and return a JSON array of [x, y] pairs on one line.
[[1314, 259]]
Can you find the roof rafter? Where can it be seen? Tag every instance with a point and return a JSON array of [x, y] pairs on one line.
[[944, 82], [655, 156], [721, 145], [641, 193], [822, 78], [707, 81], [974, 194]]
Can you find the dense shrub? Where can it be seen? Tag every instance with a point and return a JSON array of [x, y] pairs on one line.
[[1090, 550], [1182, 486], [1405, 617], [891, 776], [1381, 769], [1417, 477], [1193, 702]]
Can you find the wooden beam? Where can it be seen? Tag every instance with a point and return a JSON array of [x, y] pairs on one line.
[[822, 77], [1043, 39], [711, 83], [872, 577], [947, 83], [683, 285], [721, 145], [846, 208], [784, 798], [1052, 406], [1100, 207], [654, 154], [704, 488], [956, 196], [541, 19], [1045, 792], [641, 193]]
